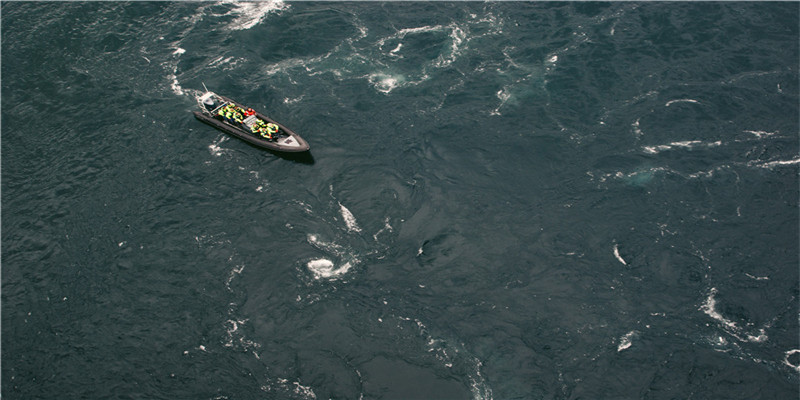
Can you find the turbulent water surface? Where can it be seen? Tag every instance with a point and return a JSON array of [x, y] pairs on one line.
[[503, 201]]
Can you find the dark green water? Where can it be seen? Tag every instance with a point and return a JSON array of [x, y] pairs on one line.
[[506, 201]]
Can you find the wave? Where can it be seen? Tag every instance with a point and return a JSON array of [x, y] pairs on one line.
[[215, 149], [457, 356], [349, 219], [709, 307], [626, 341], [618, 257], [687, 144], [395, 60], [788, 362], [236, 339], [323, 268], [671, 102], [775, 163], [249, 14]]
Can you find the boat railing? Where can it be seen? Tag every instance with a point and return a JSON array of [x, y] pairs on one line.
[[210, 95]]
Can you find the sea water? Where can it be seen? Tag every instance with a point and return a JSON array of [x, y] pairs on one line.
[[508, 200]]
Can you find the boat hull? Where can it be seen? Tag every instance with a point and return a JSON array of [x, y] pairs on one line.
[[290, 143]]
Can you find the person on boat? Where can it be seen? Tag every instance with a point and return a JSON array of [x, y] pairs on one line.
[[249, 112]]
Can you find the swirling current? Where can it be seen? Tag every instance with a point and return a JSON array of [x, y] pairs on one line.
[[503, 200]]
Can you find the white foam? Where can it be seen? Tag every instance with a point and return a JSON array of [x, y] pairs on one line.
[[616, 254], [287, 100], [626, 341], [504, 95], [686, 144], [250, 14], [709, 307], [457, 35], [449, 353], [396, 49], [234, 339], [175, 85], [349, 219], [636, 129], [237, 270], [758, 278], [295, 387], [384, 82], [386, 227], [323, 268], [760, 134], [333, 248], [669, 103], [401, 34], [776, 163], [786, 359], [215, 149]]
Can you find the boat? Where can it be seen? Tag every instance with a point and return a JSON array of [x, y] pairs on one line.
[[247, 124]]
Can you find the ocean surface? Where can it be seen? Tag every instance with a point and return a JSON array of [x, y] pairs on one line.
[[506, 200]]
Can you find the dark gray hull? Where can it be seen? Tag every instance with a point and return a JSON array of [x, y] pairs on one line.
[[287, 141]]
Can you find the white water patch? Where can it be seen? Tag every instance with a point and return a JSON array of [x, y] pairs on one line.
[[687, 144], [175, 85], [761, 134], [396, 49], [626, 341], [332, 248], [504, 95], [776, 163], [290, 63], [457, 36], [671, 102], [710, 308], [386, 228], [284, 386], [295, 100], [401, 34], [249, 14], [616, 254], [639, 177], [786, 360], [550, 63], [215, 148], [637, 129], [173, 76], [235, 339], [758, 278], [349, 219], [225, 63], [323, 268], [237, 270], [384, 82], [451, 355]]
